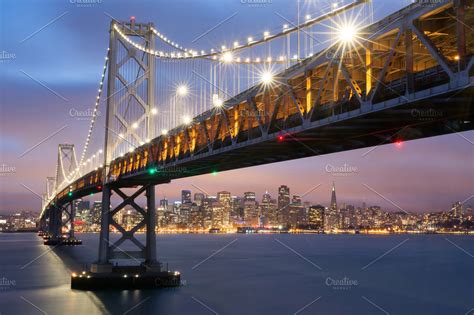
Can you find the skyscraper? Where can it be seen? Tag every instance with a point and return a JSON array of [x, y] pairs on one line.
[[268, 209], [283, 202], [186, 196], [333, 197], [80, 205], [316, 217], [198, 198], [96, 212], [249, 196], [331, 220], [225, 200], [296, 211], [164, 203], [250, 209]]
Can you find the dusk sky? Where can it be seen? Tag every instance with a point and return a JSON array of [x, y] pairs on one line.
[[47, 72]]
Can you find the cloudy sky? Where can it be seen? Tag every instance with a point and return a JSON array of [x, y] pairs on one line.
[[52, 55]]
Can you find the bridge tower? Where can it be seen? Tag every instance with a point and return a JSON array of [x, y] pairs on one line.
[[66, 164], [129, 124], [61, 216]]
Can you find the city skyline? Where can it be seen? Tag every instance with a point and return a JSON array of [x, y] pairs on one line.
[[283, 213], [273, 193]]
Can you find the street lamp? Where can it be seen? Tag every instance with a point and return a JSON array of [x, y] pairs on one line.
[[182, 90], [267, 78]]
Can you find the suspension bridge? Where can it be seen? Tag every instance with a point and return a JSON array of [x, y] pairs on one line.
[[333, 82]]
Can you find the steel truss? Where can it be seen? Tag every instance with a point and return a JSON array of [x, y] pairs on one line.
[[145, 254]]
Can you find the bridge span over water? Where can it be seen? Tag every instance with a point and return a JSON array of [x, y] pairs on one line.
[[408, 76]]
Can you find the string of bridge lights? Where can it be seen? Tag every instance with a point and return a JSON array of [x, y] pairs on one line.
[[92, 123], [96, 106], [226, 54], [226, 57]]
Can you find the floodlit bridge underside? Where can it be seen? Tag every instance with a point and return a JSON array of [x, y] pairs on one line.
[[410, 77]]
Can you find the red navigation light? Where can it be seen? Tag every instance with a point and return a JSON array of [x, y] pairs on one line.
[[99, 187], [281, 138], [399, 143]]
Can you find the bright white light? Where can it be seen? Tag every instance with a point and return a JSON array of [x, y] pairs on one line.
[[250, 39], [267, 77], [266, 34], [182, 90], [227, 57], [216, 101], [347, 33], [135, 125], [154, 111], [334, 5], [187, 120], [164, 131], [308, 17]]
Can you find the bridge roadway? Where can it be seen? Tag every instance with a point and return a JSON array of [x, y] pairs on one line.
[[308, 112]]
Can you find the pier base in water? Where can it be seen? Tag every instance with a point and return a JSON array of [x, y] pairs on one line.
[[62, 241], [125, 278]]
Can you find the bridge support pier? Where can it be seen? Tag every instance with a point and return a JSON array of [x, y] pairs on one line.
[[53, 236], [145, 270], [56, 224], [144, 254], [42, 226], [70, 211]]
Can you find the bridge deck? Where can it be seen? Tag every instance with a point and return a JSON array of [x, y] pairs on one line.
[[328, 103]]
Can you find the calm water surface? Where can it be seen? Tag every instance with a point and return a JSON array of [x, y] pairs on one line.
[[254, 274]]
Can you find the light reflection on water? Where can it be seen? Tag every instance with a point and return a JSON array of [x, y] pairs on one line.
[[253, 275]]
